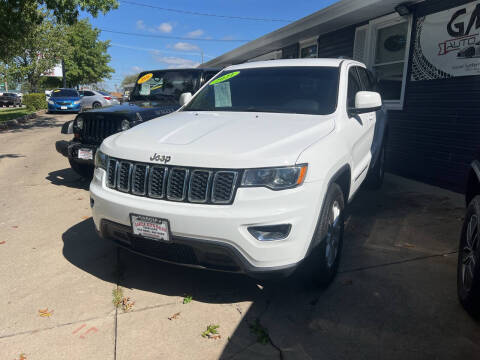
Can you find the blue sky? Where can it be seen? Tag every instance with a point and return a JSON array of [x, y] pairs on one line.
[[131, 54]]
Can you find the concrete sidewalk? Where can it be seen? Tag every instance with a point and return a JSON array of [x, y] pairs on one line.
[[394, 298]]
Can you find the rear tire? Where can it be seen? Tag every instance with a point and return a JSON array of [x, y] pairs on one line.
[[468, 269], [322, 263], [84, 170], [96, 105], [377, 173]]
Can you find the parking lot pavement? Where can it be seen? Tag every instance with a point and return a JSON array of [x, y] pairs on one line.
[[393, 299]]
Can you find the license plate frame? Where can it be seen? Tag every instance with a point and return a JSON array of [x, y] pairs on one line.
[[85, 154], [150, 224], [63, 107]]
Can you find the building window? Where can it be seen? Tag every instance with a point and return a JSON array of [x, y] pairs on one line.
[[309, 51], [383, 45], [309, 48]]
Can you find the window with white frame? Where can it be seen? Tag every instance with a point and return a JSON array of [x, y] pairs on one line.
[[309, 48], [383, 45]]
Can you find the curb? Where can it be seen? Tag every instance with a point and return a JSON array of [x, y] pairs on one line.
[[14, 123]]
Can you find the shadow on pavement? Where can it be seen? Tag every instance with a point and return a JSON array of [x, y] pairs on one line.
[[11, 156], [68, 177], [43, 121], [86, 250], [394, 297]]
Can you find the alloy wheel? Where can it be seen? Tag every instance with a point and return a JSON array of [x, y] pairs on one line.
[[469, 254], [333, 234]]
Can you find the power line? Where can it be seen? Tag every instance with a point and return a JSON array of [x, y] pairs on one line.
[[171, 37], [203, 14]]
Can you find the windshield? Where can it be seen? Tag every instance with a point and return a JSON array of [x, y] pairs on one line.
[[298, 90], [164, 86], [104, 93], [65, 93]]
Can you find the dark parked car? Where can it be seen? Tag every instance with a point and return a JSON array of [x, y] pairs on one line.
[[156, 93], [468, 272], [7, 99]]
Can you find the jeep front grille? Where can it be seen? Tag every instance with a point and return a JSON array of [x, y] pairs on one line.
[[98, 127], [172, 183]]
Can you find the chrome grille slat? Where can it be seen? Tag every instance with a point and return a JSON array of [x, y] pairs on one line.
[[199, 186], [223, 186], [177, 184], [157, 181], [139, 179], [172, 183], [124, 176]]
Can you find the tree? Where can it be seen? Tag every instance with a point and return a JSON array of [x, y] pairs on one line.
[[19, 17], [86, 58], [129, 79], [42, 48]]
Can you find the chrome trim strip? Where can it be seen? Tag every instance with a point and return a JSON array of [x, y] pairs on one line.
[[207, 189], [144, 182], [130, 166], [232, 190], [114, 185], [164, 181], [185, 182]]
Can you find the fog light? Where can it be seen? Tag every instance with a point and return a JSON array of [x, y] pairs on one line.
[[270, 232]]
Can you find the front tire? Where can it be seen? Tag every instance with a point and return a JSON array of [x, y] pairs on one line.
[[324, 259], [84, 170], [468, 268]]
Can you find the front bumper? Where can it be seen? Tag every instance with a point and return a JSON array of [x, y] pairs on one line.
[[70, 149], [220, 230], [65, 108]]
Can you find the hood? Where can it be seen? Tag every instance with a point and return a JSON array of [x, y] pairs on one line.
[[143, 107], [221, 139], [67, 98]]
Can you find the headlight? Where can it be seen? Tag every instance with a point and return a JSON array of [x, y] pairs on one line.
[[79, 122], [125, 125], [101, 160], [275, 178], [76, 102], [51, 102]]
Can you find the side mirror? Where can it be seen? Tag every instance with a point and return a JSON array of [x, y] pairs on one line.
[[366, 101], [185, 98], [67, 128]]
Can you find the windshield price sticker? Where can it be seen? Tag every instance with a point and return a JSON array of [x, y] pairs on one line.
[[145, 78], [145, 89], [223, 96], [225, 77]]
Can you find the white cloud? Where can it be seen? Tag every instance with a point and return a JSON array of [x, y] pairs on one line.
[[176, 62], [137, 69], [165, 27], [184, 46], [196, 33], [141, 25]]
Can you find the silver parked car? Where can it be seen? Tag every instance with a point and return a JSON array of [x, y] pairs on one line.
[[96, 99]]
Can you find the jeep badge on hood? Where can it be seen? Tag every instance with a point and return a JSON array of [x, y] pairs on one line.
[[160, 158]]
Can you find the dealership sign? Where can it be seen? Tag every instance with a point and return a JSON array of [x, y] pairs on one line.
[[447, 44]]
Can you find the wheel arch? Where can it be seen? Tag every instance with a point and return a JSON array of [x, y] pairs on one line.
[[473, 182]]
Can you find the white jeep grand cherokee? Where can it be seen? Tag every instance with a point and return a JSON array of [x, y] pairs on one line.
[[252, 174]]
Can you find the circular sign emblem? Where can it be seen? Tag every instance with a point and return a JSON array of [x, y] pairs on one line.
[[144, 78]]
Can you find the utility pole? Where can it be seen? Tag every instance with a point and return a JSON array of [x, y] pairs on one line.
[[63, 74]]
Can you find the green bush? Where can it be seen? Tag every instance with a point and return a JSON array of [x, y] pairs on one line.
[[35, 101]]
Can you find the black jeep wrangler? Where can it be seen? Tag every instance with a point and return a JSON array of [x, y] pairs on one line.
[[156, 93]]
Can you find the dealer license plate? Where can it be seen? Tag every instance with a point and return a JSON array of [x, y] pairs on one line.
[[150, 227], [63, 107], [85, 154]]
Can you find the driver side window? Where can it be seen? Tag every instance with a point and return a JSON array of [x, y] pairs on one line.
[[353, 87]]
